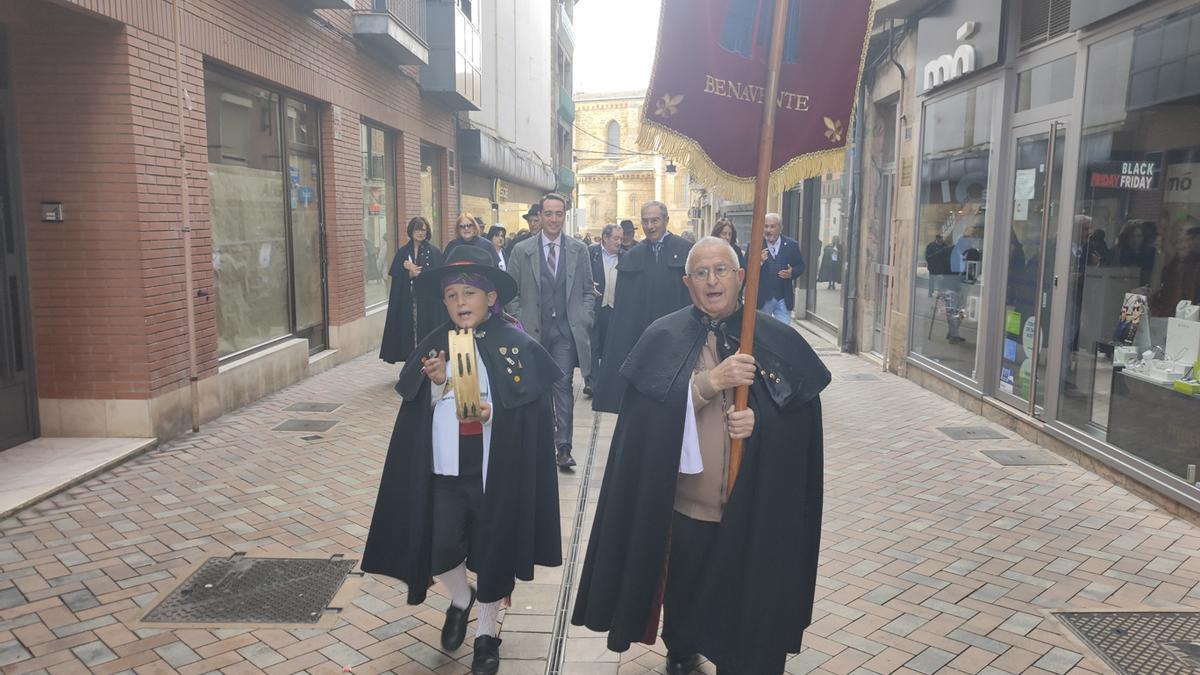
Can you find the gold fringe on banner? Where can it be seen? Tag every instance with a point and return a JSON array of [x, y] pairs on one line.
[[655, 137]]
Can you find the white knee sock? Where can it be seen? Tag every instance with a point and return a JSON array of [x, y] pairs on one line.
[[487, 624], [456, 581]]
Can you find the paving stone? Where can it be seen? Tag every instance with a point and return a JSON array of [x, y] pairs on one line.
[[94, 653], [262, 656], [1058, 660], [930, 661], [13, 652], [177, 654], [77, 601], [10, 597]]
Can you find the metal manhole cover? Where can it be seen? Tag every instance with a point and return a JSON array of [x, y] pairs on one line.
[[860, 377], [313, 406], [1137, 643], [241, 590], [306, 425], [971, 433], [1023, 457]]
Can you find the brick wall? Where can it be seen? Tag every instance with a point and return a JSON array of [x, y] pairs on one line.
[[77, 146], [98, 128]]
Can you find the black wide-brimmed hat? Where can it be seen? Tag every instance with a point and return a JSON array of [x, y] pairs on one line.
[[468, 259]]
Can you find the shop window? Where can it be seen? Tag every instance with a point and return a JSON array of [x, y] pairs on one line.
[[950, 229], [1045, 84], [379, 211], [1043, 20], [1132, 333], [266, 223], [432, 190]]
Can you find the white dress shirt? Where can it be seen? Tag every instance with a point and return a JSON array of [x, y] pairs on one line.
[[609, 261], [445, 423], [774, 248], [558, 251]]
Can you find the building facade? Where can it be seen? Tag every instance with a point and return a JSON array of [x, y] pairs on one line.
[[200, 199], [615, 175], [511, 146], [1028, 235]]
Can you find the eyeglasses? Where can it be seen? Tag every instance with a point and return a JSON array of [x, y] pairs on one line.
[[701, 274]]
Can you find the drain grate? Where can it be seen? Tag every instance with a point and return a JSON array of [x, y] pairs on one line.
[[306, 425], [241, 590], [1023, 458], [971, 433], [313, 406], [1133, 643], [859, 377]]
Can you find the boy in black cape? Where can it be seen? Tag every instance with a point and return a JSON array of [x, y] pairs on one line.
[[478, 494], [735, 574]]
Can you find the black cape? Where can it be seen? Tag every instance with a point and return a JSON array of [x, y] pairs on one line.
[[410, 316], [646, 290], [762, 578], [521, 525]]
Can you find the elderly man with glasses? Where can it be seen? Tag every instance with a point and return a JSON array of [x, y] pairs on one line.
[[734, 571]]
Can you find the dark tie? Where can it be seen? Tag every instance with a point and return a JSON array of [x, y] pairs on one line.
[[656, 247], [552, 259]]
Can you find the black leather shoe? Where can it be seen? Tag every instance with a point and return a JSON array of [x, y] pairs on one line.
[[565, 460], [681, 664], [454, 631], [487, 655], [587, 392]]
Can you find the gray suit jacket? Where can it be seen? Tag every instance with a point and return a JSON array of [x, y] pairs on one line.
[[523, 265]]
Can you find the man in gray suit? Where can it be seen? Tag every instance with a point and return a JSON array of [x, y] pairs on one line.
[[554, 304]]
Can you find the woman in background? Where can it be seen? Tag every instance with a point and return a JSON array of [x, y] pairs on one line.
[[725, 230], [409, 317]]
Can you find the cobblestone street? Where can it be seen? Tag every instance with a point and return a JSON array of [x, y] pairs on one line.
[[934, 557]]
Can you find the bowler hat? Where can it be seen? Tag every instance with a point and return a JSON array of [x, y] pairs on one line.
[[534, 210], [627, 225], [468, 260]]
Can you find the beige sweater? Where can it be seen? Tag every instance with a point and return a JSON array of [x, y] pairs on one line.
[[702, 496]]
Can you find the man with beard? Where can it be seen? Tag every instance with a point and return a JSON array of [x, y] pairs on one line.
[[649, 285], [735, 571]]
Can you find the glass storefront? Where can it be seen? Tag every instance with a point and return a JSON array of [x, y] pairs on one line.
[[827, 260], [950, 229], [379, 211], [266, 224], [878, 183], [432, 191], [1032, 234], [1132, 333]]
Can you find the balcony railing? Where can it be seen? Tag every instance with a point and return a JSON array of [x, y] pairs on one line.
[[394, 30], [566, 31], [566, 105], [309, 5], [566, 179], [411, 13]]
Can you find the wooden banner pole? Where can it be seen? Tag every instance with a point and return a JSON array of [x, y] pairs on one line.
[[762, 184]]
